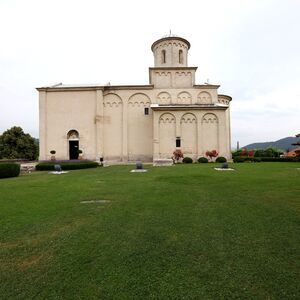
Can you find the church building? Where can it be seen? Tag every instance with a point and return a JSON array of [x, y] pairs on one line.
[[123, 123]]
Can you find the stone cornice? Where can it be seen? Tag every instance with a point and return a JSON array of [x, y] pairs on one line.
[[206, 86], [225, 96], [94, 88], [189, 107], [170, 38], [173, 68]]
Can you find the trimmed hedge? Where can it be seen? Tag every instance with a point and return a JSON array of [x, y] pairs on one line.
[[187, 160], [221, 159], [202, 160], [49, 166], [241, 159], [280, 159], [9, 170]]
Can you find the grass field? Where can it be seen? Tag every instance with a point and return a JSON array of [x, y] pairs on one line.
[[183, 232]]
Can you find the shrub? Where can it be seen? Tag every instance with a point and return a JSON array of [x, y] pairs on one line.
[[187, 160], [202, 160], [221, 159], [9, 170], [49, 166], [251, 153], [244, 152]]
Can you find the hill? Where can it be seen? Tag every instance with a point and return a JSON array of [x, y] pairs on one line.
[[282, 144]]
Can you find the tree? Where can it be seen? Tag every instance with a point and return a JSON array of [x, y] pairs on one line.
[[15, 144]]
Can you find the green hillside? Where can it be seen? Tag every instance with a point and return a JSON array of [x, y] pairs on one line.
[[283, 144]]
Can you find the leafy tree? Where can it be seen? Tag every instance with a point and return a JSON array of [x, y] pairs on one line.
[[259, 153], [236, 153], [14, 144]]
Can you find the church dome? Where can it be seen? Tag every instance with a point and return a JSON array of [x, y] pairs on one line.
[[170, 51]]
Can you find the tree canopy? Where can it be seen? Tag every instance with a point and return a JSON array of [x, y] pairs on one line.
[[15, 144]]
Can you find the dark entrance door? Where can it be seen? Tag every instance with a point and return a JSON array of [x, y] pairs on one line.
[[73, 149]]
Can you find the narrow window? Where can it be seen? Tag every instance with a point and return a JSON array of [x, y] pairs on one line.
[[163, 56], [180, 57], [178, 142], [146, 111]]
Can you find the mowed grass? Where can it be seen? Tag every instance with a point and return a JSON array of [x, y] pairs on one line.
[[182, 232]]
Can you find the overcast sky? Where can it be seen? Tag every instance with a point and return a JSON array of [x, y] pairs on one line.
[[250, 47]]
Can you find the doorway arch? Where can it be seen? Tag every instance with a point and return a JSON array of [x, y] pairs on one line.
[[73, 141]]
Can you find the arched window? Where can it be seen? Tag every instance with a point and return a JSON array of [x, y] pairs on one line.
[[180, 57], [163, 56]]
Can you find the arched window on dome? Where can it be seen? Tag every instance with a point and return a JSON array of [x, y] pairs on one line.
[[163, 56], [180, 56]]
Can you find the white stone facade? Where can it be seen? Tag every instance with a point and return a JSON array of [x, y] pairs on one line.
[[141, 122]]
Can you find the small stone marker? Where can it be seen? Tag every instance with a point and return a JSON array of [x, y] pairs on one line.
[[139, 168], [224, 169], [95, 201], [225, 165], [163, 162], [58, 173], [139, 165], [57, 168]]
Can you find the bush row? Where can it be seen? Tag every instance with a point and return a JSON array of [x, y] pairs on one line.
[[188, 160], [9, 170], [49, 166], [241, 159], [269, 152], [280, 159]]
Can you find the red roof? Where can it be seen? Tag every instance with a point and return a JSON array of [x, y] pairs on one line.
[[293, 152]]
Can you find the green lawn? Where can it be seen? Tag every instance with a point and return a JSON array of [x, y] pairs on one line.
[[182, 232]]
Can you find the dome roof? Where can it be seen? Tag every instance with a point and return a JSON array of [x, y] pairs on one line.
[[168, 38]]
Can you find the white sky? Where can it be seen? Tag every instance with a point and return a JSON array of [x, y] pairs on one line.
[[250, 47]]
